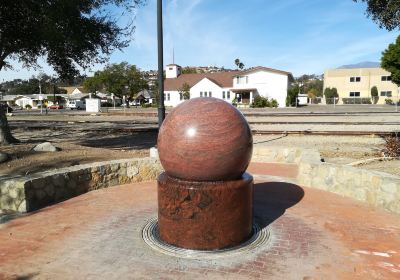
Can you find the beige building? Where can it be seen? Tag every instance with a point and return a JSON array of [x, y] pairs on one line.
[[354, 84]]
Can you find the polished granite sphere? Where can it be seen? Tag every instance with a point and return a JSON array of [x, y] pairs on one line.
[[205, 139]]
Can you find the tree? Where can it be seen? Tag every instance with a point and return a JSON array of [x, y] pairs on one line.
[[384, 12], [374, 94], [391, 61], [239, 64], [292, 95], [120, 79], [312, 93], [189, 70], [31, 86], [330, 95], [93, 84], [5, 133], [184, 92], [68, 33]]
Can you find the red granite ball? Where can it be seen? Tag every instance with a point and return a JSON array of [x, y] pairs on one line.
[[205, 139]]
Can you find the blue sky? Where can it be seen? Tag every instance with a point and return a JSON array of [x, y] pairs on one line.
[[300, 36]]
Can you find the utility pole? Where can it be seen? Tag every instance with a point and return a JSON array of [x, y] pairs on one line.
[[161, 107]]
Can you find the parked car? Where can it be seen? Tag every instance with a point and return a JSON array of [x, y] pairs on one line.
[[56, 106], [76, 104]]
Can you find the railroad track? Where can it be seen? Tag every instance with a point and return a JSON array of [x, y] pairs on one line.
[[123, 128]]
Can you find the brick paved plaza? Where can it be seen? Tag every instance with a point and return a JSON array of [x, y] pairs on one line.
[[314, 235]]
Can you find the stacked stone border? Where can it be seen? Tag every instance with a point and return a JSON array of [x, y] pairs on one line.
[[377, 189], [29, 193]]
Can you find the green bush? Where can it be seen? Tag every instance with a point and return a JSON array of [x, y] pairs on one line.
[[107, 104], [274, 103], [356, 100], [389, 101], [374, 94], [149, 105], [291, 96], [28, 107], [260, 102], [330, 94]]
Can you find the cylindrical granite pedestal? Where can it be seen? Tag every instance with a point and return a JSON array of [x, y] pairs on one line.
[[205, 215]]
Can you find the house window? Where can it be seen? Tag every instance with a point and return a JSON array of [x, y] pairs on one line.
[[223, 95], [228, 94], [168, 97], [180, 96], [355, 94], [210, 94], [205, 94], [170, 68], [242, 80], [386, 93], [355, 79], [386, 78], [201, 94]]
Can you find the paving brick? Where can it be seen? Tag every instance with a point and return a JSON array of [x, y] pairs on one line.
[[315, 235]]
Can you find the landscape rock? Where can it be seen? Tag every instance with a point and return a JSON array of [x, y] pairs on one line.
[[46, 147], [3, 157]]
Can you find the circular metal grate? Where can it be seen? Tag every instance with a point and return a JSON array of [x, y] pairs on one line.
[[150, 234]]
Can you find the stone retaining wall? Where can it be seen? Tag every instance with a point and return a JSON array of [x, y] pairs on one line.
[[284, 154], [28, 193], [375, 188]]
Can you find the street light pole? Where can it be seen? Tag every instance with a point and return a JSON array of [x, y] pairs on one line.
[[40, 98], [161, 107]]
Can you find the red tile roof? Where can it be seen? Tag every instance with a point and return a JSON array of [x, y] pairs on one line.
[[223, 79]]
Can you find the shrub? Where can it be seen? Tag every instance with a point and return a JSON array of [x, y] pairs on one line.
[[392, 146], [107, 104], [28, 107], [374, 94], [260, 102], [274, 103], [146, 105], [292, 95], [330, 95], [356, 100], [389, 101]]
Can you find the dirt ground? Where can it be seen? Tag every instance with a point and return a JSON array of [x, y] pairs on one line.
[[79, 146]]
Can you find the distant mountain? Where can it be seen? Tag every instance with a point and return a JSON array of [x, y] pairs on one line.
[[366, 64]]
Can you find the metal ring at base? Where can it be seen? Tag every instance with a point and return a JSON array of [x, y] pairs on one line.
[[260, 237]]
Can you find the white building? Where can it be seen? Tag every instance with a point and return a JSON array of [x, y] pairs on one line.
[[242, 85]]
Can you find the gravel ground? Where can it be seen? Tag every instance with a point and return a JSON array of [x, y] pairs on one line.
[[80, 145]]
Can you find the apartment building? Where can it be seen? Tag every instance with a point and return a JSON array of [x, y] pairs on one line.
[[356, 83]]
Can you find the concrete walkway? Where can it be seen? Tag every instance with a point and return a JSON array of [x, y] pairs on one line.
[[315, 235]]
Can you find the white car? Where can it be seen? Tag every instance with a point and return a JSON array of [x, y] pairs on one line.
[[76, 104]]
